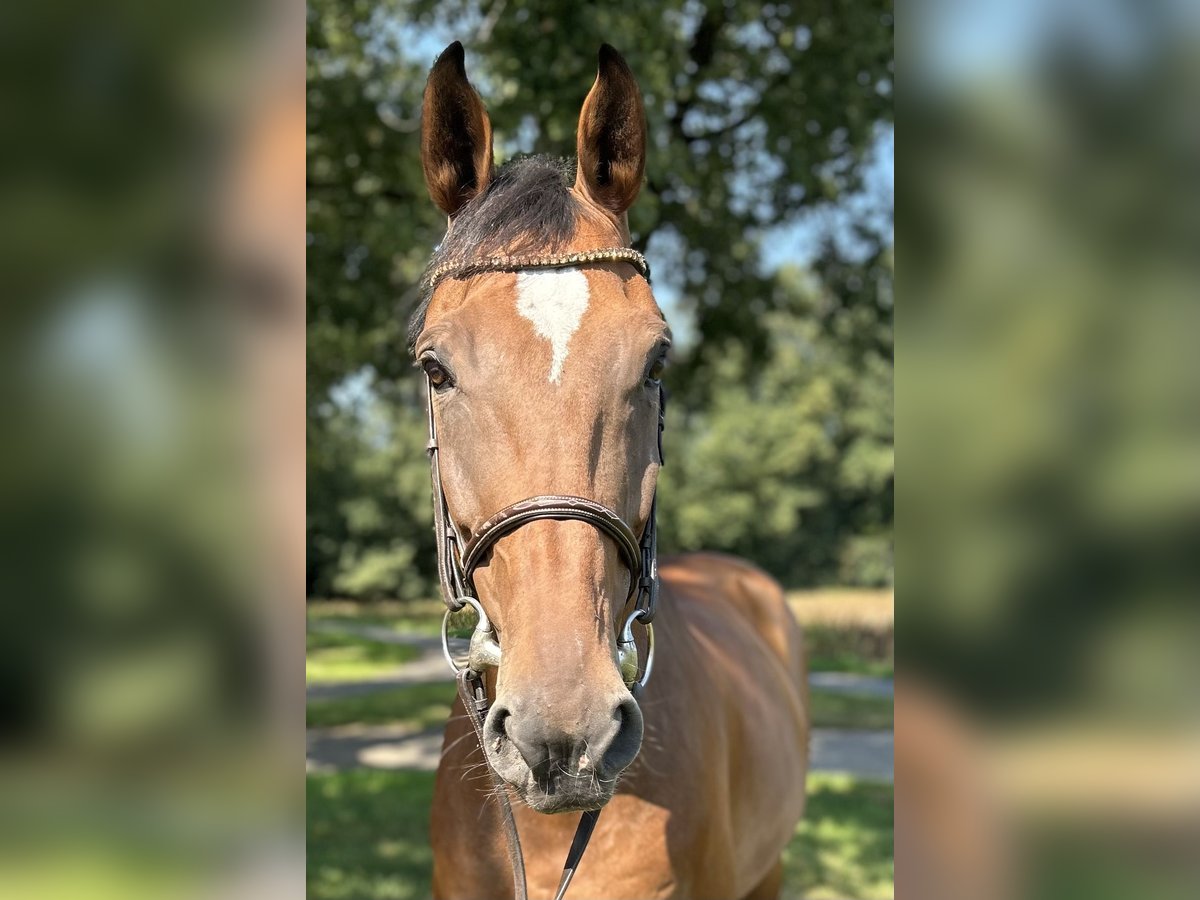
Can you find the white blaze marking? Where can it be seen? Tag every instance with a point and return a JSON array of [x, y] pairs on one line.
[[554, 300]]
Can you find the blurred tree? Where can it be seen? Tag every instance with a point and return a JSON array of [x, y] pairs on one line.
[[759, 113], [791, 462]]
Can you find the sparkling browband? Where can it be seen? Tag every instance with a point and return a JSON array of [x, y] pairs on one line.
[[514, 263]]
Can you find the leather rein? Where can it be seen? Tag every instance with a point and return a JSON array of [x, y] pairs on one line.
[[458, 560]]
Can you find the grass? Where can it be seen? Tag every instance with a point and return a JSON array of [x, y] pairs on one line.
[[829, 709], [411, 616], [368, 835], [420, 617], [368, 838], [844, 844], [852, 664], [338, 656], [872, 607], [419, 705], [847, 630]]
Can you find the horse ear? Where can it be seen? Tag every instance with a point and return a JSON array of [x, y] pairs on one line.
[[456, 135], [611, 142]]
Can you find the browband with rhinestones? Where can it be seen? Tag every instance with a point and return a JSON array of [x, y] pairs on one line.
[[514, 263]]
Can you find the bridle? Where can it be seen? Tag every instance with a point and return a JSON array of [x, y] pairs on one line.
[[458, 560]]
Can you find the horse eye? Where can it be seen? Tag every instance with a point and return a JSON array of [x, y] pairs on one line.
[[656, 369], [437, 375]]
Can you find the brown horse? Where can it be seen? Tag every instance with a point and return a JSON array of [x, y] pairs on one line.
[[543, 380]]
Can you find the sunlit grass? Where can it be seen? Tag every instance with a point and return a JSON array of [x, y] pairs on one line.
[[368, 835], [419, 706], [844, 844], [368, 838], [423, 617], [875, 608], [336, 656], [99, 868]]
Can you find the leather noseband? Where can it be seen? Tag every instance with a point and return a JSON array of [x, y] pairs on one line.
[[552, 506]]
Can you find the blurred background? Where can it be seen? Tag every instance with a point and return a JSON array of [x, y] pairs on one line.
[[767, 218], [151, 373], [1052, 452], [151, 485]]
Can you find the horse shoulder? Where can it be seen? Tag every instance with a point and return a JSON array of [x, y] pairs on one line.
[[750, 670], [750, 592]]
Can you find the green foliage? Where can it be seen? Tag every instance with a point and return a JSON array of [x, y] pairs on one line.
[[780, 423], [790, 462], [369, 504]]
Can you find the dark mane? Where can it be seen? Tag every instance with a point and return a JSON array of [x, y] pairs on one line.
[[526, 207]]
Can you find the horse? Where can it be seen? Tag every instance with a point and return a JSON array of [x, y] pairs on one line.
[[543, 349]]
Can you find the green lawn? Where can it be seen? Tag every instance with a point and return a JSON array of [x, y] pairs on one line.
[[828, 709], [368, 835], [338, 656], [850, 662], [418, 617], [847, 649], [844, 844], [368, 839], [419, 705]]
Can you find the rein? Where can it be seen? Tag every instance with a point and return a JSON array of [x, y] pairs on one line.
[[458, 560]]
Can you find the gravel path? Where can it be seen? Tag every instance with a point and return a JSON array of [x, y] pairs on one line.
[[849, 683]]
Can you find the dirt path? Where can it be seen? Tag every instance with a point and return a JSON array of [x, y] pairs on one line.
[[867, 754]]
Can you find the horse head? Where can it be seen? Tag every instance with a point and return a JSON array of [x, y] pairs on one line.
[[543, 347]]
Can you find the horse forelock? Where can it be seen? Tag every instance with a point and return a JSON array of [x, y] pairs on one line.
[[527, 207]]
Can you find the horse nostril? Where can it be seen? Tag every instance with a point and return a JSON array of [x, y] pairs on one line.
[[628, 738], [496, 726]]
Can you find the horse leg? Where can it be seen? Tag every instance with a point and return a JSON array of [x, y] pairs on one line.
[[769, 887]]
